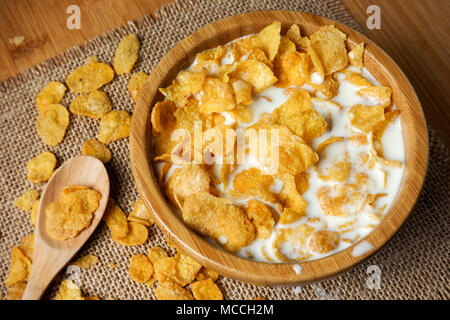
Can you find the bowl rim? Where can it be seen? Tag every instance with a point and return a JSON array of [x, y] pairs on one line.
[[229, 264]]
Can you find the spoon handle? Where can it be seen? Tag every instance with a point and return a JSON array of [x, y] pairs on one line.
[[44, 269]]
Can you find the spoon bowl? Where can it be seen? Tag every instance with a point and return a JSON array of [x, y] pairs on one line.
[[51, 255]]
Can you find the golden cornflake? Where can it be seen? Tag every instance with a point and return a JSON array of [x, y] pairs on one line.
[[95, 105], [206, 290], [137, 235], [172, 291], [90, 77], [116, 220], [19, 269], [356, 56], [25, 202], [126, 54], [365, 118], [218, 218], [136, 84], [263, 218], [217, 96], [323, 241], [205, 273], [186, 84], [86, 261], [141, 214], [16, 291], [193, 178], [52, 123], [242, 91], [381, 95], [69, 291], [73, 212], [295, 238], [27, 245], [329, 44], [162, 117], [180, 269], [52, 93], [256, 73], [291, 199], [140, 268], [114, 126], [156, 253], [96, 149], [41, 167], [269, 39], [252, 183], [296, 66]]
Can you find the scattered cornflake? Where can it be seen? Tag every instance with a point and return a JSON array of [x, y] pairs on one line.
[[114, 126], [27, 245], [141, 214], [180, 269], [116, 220], [89, 77], [94, 105], [156, 253], [137, 235], [16, 291], [126, 54], [136, 84], [206, 290], [140, 268], [19, 269], [25, 202], [206, 273], [172, 291], [86, 261], [41, 167], [96, 149], [69, 291], [52, 123], [52, 93]]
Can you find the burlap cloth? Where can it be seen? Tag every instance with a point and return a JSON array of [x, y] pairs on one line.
[[414, 265]]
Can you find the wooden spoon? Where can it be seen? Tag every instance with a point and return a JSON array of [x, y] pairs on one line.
[[51, 255]]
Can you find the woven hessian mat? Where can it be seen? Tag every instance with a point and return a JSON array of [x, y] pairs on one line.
[[414, 264]]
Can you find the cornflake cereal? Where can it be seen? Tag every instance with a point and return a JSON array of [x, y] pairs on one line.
[[89, 77], [206, 290], [172, 291], [52, 93], [140, 268], [96, 149], [69, 291], [136, 83], [114, 126], [52, 123], [41, 167], [72, 212], [25, 202], [19, 269], [277, 147], [126, 54], [94, 105], [141, 214], [180, 269], [86, 261]]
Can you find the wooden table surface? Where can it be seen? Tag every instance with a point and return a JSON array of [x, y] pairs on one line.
[[415, 33]]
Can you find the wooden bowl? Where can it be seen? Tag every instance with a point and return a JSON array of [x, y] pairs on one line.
[[181, 56]]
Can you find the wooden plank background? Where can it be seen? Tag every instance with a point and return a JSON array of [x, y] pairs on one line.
[[414, 32]]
